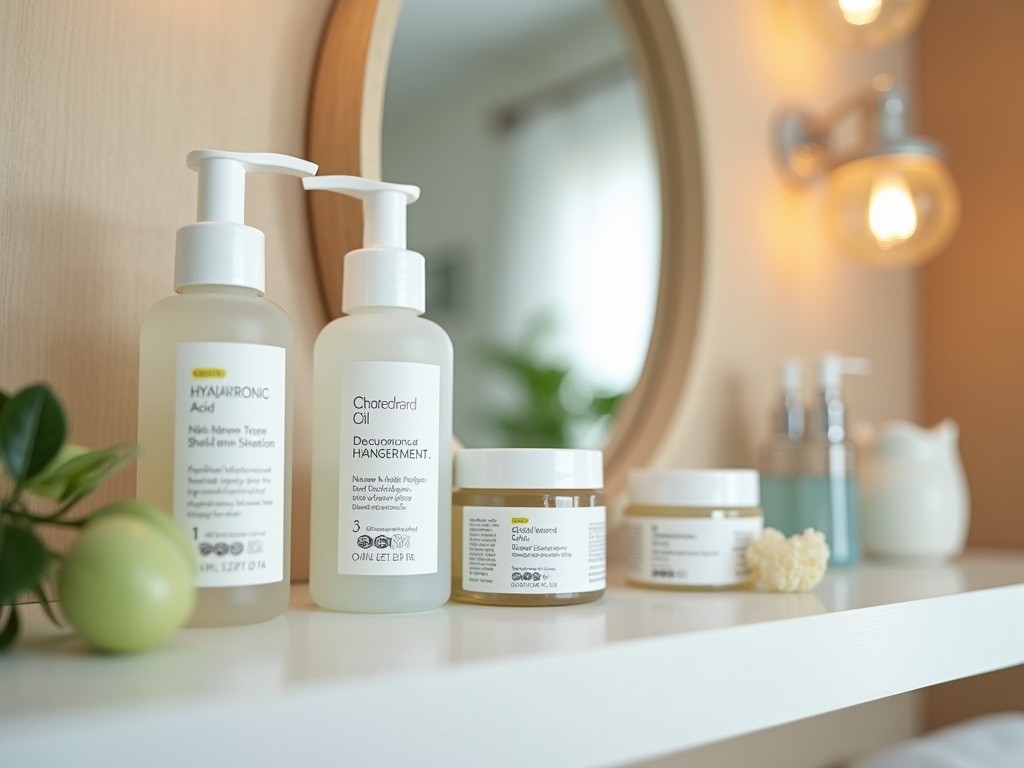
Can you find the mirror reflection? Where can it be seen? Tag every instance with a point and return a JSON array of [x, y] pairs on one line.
[[525, 125]]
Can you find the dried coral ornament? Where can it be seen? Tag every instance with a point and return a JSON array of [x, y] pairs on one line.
[[796, 564]]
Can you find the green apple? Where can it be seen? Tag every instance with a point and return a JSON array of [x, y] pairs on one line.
[[128, 582], [157, 517]]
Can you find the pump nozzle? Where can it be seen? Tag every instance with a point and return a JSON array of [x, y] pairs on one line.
[[832, 368], [383, 206], [383, 273], [831, 408], [219, 249], [222, 179]]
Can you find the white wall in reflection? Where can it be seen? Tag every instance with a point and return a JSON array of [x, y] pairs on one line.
[[540, 215], [580, 232]]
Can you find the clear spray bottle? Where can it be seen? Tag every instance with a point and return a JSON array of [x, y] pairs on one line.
[[215, 400]]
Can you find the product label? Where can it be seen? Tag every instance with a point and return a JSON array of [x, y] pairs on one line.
[[517, 550], [229, 470], [691, 551], [390, 426]]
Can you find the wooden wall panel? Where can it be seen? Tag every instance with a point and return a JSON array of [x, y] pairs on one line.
[[971, 81], [99, 103]]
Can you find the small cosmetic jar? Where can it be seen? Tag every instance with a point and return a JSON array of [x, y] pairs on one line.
[[689, 529], [528, 526]]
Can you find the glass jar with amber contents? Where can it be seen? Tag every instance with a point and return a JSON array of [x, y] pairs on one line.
[[528, 526]]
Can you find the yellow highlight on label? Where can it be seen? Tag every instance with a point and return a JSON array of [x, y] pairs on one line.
[[520, 520], [208, 373]]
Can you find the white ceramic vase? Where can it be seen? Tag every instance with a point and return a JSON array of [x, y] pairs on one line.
[[914, 498]]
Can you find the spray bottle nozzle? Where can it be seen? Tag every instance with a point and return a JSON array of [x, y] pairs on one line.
[[383, 273]]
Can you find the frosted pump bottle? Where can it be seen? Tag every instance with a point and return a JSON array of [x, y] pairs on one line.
[[828, 498], [780, 455], [215, 400], [382, 395]]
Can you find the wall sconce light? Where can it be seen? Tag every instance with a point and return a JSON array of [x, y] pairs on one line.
[[891, 201], [865, 23]]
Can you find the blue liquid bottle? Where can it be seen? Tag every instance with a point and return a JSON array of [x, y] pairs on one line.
[[827, 489], [779, 459]]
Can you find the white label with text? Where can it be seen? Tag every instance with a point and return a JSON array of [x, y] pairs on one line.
[[690, 551], [390, 427], [533, 550], [229, 463]]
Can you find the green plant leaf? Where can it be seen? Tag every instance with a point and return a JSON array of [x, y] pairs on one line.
[[22, 562], [10, 630], [91, 475], [4, 397], [53, 480], [606, 405], [32, 430], [77, 471], [44, 601]]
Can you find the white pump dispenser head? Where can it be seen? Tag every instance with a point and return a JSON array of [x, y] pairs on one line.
[[219, 249], [831, 413], [383, 273], [832, 367]]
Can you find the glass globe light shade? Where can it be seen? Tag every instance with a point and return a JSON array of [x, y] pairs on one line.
[[892, 210], [865, 23]]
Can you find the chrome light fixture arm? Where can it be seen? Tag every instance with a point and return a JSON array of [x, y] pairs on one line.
[[807, 145]]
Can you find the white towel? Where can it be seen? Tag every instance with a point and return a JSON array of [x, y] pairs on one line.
[[993, 741]]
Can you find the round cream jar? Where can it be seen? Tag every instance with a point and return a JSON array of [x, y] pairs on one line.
[[689, 529], [528, 526]]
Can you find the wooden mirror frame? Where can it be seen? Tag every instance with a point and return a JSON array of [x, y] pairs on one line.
[[346, 116]]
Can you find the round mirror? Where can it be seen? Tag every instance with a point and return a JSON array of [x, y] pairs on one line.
[[526, 127], [560, 216]]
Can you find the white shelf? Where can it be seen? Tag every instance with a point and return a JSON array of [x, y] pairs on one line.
[[638, 674]]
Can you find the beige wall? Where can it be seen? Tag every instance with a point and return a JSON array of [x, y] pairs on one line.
[[99, 103], [774, 286]]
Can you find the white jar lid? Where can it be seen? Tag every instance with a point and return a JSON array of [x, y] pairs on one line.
[[528, 468], [695, 487]]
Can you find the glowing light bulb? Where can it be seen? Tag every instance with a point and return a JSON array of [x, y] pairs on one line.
[[892, 216], [860, 12], [864, 23]]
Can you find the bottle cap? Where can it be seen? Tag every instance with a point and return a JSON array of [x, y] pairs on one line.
[[529, 468], [383, 273], [695, 487], [219, 249]]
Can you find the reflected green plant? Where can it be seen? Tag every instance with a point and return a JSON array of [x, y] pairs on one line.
[[554, 404]]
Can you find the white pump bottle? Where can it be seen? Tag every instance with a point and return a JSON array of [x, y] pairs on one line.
[[382, 394], [215, 400]]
